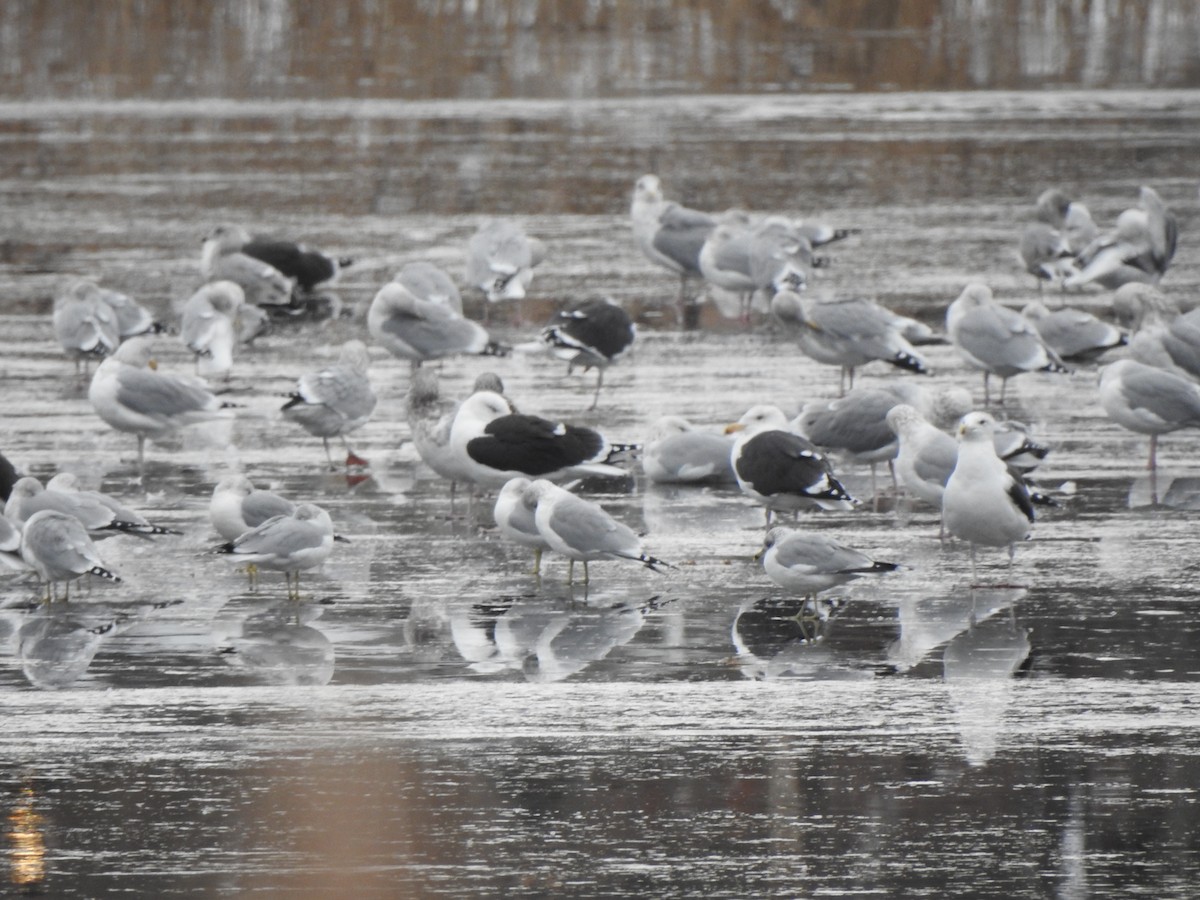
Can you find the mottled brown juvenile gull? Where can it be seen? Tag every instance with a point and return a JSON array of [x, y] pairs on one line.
[[996, 340], [780, 470], [494, 444], [423, 330], [335, 400], [1073, 334], [430, 419], [984, 503], [593, 334], [237, 506], [208, 327], [678, 453], [514, 513], [57, 547], [288, 544], [809, 563], [581, 530], [134, 398], [1149, 401], [86, 326], [847, 333], [222, 259]]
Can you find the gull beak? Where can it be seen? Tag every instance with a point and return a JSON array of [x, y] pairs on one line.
[[757, 556], [734, 428], [152, 365]]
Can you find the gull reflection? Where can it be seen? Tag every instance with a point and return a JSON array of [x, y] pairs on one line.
[[977, 666], [929, 622], [778, 637], [545, 638], [26, 843], [274, 640], [56, 643]]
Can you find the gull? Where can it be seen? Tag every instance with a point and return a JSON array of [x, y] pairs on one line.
[[222, 259], [1161, 336], [423, 330], [131, 397], [288, 544], [100, 516], [983, 502], [237, 506], [57, 547], [494, 444], [1073, 334], [426, 281], [10, 546], [809, 563], [744, 258], [8, 476], [501, 259], [780, 470], [1149, 401], [208, 327], [677, 453], [1045, 253], [855, 426], [1070, 217], [430, 421], [592, 334], [514, 513], [996, 340], [84, 324], [669, 235], [336, 400], [847, 333], [308, 268], [1139, 249], [583, 531]]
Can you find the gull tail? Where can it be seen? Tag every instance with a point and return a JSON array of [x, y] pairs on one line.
[[905, 360], [830, 494], [104, 573], [652, 562], [617, 451], [1055, 366], [876, 568]]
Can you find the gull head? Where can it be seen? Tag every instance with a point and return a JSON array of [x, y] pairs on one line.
[[976, 426]]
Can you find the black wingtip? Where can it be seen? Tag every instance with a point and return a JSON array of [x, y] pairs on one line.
[[293, 400], [494, 348], [345, 261], [652, 563], [104, 573], [909, 362]]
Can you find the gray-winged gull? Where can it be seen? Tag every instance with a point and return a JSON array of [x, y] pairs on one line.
[[583, 531], [134, 398], [500, 261], [809, 563], [124, 519], [996, 340], [428, 282], [132, 317], [1073, 334], [423, 330], [307, 267], [86, 326], [495, 444], [1139, 249], [847, 333], [592, 334], [780, 470], [335, 400], [100, 516], [668, 234], [208, 327], [1162, 337], [237, 506], [57, 547], [1148, 400], [514, 513], [222, 259], [984, 503], [288, 544], [676, 452], [1045, 253]]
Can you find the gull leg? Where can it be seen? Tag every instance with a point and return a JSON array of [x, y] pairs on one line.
[[537, 562], [328, 457], [987, 396], [1152, 463], [141, 456], [570, 571], [599, 384], [585, 572], [974, 573], [874, 491]]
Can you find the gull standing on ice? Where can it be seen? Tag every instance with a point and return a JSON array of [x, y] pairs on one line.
[[208, 327], [591, 334], [668, 234], [984, 503], [86, 326], [426, 281], [809, 563], [996, 340], [676, 452], [500, 261], [237, 506], [336, 400], [581, 530], [307, 267], [1139, 249], [781, 470], [222, 259], [1073, 333], [423, 330], [1149, 401], [131, 396], [288, 544], [57, 547], [514, 512]]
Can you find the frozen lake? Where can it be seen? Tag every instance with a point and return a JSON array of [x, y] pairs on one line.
[[429, 720]]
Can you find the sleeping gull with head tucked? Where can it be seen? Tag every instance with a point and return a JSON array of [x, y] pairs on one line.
[[208, 327], [336, 400], [86, 326], [57, 547], [676, 452], [222, 259], [288, 544], [500, 261], [514, 512], [809, 563], [237, 506], [1149, 401], [424, 330]]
